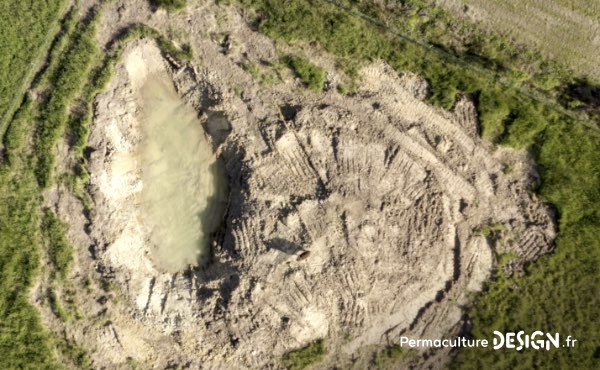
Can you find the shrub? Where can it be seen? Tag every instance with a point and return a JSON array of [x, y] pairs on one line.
[[312, 76], [300, 359]]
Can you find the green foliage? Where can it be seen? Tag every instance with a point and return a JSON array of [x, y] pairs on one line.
[[252, 69], [557, 293], [267, 75], [27, 27], [394, 357], [60, 251], [56, 306], [77, 355], [59, 44], [170, 5], [24, 226], [138, 31], [70, 76], [312, 76], [302, 358], [490, 231], [23, 342], [494, 111]]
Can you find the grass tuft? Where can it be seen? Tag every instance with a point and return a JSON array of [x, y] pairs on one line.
[[304, 357], [311, 76], [170, 5]]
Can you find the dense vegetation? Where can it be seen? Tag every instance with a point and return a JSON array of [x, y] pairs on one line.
[[27, 27], [70, 76], [517, 95], [312, 76], [26, 33], [29, 233], [60, 252], [559, 292], [304, 357]]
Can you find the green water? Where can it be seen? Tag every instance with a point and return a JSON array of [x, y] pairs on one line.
[[184, 186]]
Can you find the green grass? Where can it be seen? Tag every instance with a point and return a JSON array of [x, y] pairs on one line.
[[304, 357], [58, 46], [27, 28], [559, 292], [60, 252], [491, 231], [26, 228], [23, 341], [70, 76], [78, 356], [170, 5], [267, 75], [311, 76], [517, 95], [394, 357]]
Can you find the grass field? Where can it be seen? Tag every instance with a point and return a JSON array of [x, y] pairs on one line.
[[563, 30], [23, 42], [28, 232], [560, 291]]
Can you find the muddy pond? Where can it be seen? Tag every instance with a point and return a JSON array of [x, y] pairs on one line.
[[184, 186]]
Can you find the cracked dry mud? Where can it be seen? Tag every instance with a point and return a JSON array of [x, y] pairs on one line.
[[354, 219]]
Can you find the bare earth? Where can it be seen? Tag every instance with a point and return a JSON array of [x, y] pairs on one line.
[[350, 219]]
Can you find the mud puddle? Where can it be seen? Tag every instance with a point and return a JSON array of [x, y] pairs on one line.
[[184, 192]]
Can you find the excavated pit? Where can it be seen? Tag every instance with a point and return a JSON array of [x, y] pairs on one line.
[[354, 219]]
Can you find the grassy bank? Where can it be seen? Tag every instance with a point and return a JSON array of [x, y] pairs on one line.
[[27, 231], [25, 25], [557, 293], [304, 357], [67, 83], [517, 96], [27, 30], [311, 76]]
